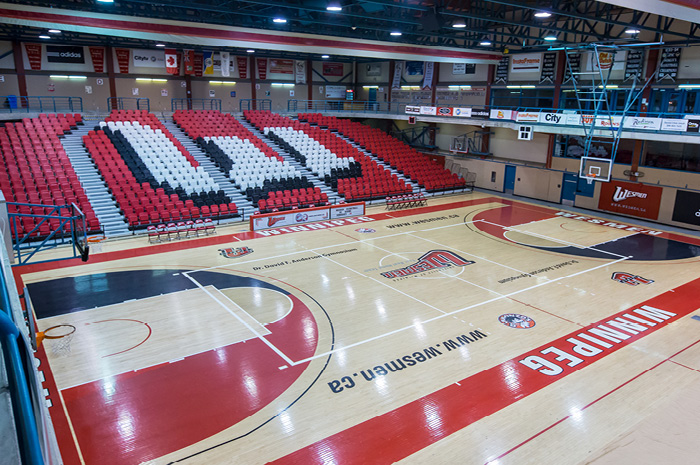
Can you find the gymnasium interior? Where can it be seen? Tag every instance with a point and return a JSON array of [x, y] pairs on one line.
[[355, 231]]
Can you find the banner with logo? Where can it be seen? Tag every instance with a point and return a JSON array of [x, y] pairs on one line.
[[208, 62], [242, 63], [225, 64], [431, 111], [528, 62], [428, 70], [398, 72], [444, 111], [306, 215], [300, 71], [374, 69], [148, 58], [527, 117], [332, 69], [123, 59], [97, 55], [693, 125], [687, 207], [171, 64], [607, 60], [64, 54], [462, 112], [261, 64], [630, 198], [414, 68], [480, 113], [503, 114], [412, 110], [188, 58], [278, 66], [552, 118], [640, 122], [33, 55]]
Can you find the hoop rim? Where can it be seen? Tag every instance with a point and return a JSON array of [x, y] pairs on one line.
[[95, 239], [46, 336]]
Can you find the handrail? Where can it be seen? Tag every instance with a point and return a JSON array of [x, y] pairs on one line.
[[304, 106], [195, 104], [41, 103], [25, 421], [255, 104], [128, 103]]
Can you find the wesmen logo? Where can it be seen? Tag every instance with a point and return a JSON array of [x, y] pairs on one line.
[[233, 252], [516, 320], [628, 278], [272, 220], [430, 261]]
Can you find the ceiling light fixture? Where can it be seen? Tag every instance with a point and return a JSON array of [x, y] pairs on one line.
[[459, 25], [550, 38], [334, 7], [160, 45], [395, 33], [543, 14], [632, 31], [279, 20], [54, 31], [250, 50], [325, 56], [105, 1], [44, 37], [485, 42]]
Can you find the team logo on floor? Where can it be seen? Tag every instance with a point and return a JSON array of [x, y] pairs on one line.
[[435, 259], [235, 252], [516, 320], [628, 278], [366, 230]]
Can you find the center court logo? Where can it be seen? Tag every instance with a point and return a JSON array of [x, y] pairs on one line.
[[435, 259]]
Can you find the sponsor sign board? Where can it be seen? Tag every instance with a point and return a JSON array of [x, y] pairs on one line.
[[630, 199], [428, 110], [412, 109], [335, 91], [480, 113], [528, 117], [306, 215], [687, 207], [639, 122], [148, 58], [672, 124], [693, 125], [502, 114], [444, 111], [462, 112], [526, 63], [552, 118], [64, 54]]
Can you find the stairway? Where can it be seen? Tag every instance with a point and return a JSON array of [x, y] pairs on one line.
[[333, 197], [244, 205], [106, 209]]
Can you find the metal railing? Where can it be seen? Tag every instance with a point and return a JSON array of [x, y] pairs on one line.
[[128, 103], [195, 104], [254, 104], [40, 104], [350, 106]]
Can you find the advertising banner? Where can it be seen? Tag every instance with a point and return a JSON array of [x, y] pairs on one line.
[[412, 110], [526, 63], [528, 117], [148, 58], [335, 91], [552, 118], [480, 113], [64, 54], [278, 66], [462, 112], [444, 111], [640, 122], [332, 69], [430, 111], [630, 199], [306, 215], [687, 207], [671, 124], [502, 114]]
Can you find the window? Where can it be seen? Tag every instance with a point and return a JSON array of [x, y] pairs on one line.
[[522, 98], [573, 147], [672, 155]]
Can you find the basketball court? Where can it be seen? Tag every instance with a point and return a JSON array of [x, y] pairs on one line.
[[476, 330]]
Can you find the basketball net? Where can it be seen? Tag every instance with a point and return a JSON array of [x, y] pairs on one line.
[[60, 337]]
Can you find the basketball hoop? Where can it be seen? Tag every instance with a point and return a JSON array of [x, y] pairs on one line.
[[61, 337], [95, 243], [590, 178]]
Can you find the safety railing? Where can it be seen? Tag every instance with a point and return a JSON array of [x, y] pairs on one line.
[[195, 104], [40, 104], [349, 106], [254, 104], [128, 103]]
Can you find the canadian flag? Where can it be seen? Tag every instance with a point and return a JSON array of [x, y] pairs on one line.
[[171, 64]]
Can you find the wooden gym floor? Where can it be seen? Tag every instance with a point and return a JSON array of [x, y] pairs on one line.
[[476, 330]]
